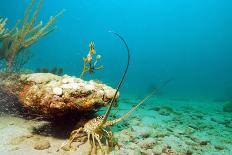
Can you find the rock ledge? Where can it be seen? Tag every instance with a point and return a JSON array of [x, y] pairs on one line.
[[57, 95]]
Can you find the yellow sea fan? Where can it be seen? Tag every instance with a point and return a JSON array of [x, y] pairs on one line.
[[3, 30]]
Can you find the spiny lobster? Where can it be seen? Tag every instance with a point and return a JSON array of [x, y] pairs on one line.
[[98, 129]]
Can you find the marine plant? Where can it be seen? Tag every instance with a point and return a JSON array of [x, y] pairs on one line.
[[20, 38], [89, 64], [98, 129]]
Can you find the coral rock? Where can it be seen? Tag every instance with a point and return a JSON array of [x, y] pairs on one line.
[[58, 95]]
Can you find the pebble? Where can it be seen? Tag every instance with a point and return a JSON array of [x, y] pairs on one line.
[[217, 147], [42, 145]]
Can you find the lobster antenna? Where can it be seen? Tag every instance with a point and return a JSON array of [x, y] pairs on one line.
[[123, 77]]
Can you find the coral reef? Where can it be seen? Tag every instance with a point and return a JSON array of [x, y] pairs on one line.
[[89, 65], [18, 39]]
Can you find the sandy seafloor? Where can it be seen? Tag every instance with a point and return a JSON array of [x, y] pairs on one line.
[[160, 126]]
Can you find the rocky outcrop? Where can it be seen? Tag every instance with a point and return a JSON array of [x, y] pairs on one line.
[[54, 95]]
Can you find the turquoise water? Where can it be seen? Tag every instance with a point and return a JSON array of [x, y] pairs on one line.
[[185, 42]]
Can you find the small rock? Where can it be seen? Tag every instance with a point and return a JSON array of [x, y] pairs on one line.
[[16, 148], [227, 107], [143, 132], [204, 142], [168, 150], [217, 147], [148, 143], [200, 116], [213, 119], [166, 111], [189, 152], [42, 145], [155, 108], [17, 140]]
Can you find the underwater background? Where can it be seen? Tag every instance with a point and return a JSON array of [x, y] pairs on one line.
[[181, 48], [186, 41]]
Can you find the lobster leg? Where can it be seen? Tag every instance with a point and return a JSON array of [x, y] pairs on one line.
[[94, 144], [89, 145], [100, 144], [107, 144], [73, 135], [107, 137]]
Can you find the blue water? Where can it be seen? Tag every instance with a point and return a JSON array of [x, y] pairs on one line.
[[187, 41]]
